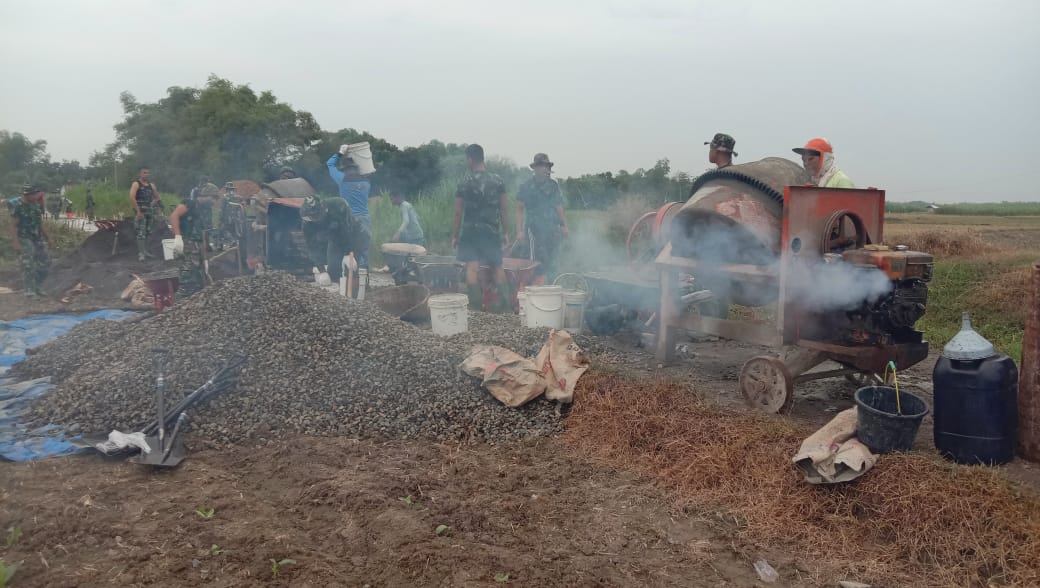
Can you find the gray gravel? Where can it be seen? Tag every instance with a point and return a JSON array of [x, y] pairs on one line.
[[317, 364]]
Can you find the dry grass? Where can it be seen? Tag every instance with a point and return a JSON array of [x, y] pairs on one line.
[[621, 215], [949, 242], [913, 520], [1005, 292]]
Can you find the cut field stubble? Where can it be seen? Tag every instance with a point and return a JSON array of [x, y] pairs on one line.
[[944, 243], [912, 520]]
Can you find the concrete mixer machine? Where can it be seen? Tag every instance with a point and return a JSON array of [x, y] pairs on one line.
[[757, 235]]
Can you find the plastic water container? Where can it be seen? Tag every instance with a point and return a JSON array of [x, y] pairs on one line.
[[361, 153], [545, 306], [573, 310], [976, 400], [167, 249], [521, 303], [449, 314]]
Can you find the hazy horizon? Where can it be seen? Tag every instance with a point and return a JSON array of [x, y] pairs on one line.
[[929, 100]]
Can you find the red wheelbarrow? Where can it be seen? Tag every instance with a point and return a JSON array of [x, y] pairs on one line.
[[163, 286], [519, 273]]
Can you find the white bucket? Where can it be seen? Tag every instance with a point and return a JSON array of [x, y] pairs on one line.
[[521, 302], [362, 156], [448, 313], [167, 249], [545, 306], [573, 310]]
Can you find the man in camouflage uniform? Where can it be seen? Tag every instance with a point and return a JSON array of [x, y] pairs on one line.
[[232, 216], [187, 224], [721, 151], [480, 210], [53, 203], [29, 239], [90, 204], [331, 233], [144, 196], [540, 218]]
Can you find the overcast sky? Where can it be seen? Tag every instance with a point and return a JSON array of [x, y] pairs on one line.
[[929, 100]]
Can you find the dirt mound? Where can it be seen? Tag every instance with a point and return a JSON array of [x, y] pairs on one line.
[[318, 364], [94, 264]]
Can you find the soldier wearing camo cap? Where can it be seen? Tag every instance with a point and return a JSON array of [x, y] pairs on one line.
[[721, 152], [29, 239]]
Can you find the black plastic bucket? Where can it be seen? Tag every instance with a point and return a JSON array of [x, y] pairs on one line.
[[878, 424]]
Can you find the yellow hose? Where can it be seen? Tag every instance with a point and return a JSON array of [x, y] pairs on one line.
[[895, 381]]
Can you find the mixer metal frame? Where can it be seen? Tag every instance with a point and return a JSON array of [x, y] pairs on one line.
[[768, 382]]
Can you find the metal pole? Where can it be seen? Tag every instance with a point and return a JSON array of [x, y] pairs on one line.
[[160, 385], [1029, 379]]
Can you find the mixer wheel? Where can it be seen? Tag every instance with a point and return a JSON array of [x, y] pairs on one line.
[[766, 384]]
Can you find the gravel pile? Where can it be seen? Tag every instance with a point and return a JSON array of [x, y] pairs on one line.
[[317, 364]]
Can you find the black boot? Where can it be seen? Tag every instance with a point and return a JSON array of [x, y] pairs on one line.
[[476, 296]]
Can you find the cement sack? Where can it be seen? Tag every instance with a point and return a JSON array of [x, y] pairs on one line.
[[561, 362], [833, 454], [512, 379], [137, 293]]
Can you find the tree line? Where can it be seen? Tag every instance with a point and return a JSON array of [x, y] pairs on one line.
[[229, 131]]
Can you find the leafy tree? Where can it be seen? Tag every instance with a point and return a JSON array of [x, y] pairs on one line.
[[223, 130], [24, 160]]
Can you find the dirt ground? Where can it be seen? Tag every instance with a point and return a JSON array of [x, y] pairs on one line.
[[356, 513]]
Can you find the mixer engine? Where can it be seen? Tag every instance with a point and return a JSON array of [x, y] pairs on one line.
[[889, 318]]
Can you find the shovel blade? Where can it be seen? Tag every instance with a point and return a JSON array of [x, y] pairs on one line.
[[155, 457]]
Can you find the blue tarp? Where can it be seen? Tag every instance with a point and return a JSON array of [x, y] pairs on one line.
[[17, 441]]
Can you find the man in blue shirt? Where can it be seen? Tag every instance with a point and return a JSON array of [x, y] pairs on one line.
[[356, 190]]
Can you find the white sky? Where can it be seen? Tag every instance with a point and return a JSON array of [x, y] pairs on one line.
[[931, 100]]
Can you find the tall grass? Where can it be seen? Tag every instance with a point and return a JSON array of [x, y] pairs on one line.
[[435, 209], [111, 202]]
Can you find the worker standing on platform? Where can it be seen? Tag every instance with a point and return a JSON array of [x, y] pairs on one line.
[[818, 160], [721, 151], [144, 196]]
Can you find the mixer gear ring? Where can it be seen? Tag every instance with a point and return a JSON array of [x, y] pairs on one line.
[[766, 384]]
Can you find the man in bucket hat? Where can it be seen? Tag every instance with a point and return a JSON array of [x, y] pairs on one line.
[[540, 219], [721, 152]]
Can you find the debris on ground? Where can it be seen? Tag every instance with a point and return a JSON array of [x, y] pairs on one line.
[[915, 520], [318, 364]]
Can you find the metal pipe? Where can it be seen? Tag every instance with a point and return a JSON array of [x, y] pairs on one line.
[[1029, 378], [183, 418], [160, 385]]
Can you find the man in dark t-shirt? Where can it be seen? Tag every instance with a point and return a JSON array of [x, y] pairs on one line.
[[480, 211]]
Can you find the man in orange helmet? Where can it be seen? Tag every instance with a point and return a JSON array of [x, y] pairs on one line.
[[818, 160]]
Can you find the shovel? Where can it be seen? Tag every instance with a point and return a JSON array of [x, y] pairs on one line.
[[163, 451]]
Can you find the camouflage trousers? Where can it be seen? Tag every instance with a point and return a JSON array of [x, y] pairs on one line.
[[146, 224], [193, 276], [35, 263]]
